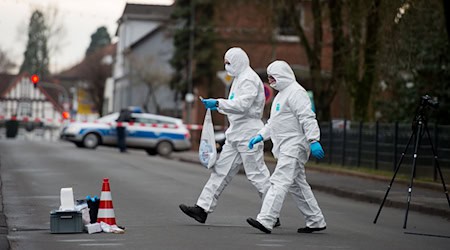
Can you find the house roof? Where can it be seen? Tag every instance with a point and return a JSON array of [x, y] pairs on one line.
[[76, 71], [147, 36], [145, 12], [7, 82], [149, 10]]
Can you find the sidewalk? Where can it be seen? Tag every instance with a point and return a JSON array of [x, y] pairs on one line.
[[425, 198]]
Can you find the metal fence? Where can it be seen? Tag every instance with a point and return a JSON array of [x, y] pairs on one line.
[[380, 146]]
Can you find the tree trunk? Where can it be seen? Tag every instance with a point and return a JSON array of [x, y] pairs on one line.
[[363, 89], [313, 53], [339, 49], [151, 91], [99, 103], [447, 17]]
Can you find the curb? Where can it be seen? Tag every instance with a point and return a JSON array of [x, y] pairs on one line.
[[427, 185], [388, 203], [361, 196]]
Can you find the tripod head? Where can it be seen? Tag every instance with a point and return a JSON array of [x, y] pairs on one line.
[[425, 101]]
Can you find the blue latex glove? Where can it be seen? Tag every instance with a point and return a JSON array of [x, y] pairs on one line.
[[210, 103], [254, 140], [317, 151]]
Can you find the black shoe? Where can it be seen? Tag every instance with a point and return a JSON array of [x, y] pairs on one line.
[[256, 224], [195, 212], [277, 224], [307, 230]]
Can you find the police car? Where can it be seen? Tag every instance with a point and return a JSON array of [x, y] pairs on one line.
[[155, 134]]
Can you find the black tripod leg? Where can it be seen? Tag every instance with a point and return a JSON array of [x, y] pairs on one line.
[[419, 134], [393, 178], [437, 165]]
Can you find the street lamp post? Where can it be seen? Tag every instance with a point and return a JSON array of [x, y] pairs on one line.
[[189, 96]]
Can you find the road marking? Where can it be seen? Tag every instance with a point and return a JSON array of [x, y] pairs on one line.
[[41, 197], [273, 243], [326, 247], [87, 240], [78, 240], [270, 245], [276, 240], [101, 244]]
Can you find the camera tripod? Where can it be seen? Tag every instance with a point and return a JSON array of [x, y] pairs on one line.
[[419, 127]]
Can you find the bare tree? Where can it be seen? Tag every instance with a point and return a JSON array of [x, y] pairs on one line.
[[447, 17], [324, 90], [5, 62], [153, 75], [56, 30], [55, 33], [95, 70], [366, 76], [355, 27]]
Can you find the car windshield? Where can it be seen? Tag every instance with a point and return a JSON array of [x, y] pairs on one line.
[[109, 118]]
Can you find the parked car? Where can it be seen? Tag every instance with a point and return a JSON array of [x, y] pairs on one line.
[[155, 134]]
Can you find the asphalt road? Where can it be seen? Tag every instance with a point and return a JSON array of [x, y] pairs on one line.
[[146, 192]]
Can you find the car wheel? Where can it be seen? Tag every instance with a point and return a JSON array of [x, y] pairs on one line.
[[91, 141], [79, 144], [151, 151], [164, 148]]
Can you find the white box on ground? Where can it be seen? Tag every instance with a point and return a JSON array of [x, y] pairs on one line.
[[93, 228]]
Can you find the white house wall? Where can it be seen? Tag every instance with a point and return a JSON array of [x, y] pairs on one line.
[[129, 32], [24, 91], [109, 95], [159, 47], [120, 95]]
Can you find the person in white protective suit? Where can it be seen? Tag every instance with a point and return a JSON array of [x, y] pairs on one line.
[[244, 108], [294, 131]]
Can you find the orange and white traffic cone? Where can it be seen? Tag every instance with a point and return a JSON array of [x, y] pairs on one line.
[[105, 209]]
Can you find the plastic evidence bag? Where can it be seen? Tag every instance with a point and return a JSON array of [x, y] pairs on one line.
[[207, 151]]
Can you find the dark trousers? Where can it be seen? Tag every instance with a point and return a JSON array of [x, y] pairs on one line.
[[121, 138]]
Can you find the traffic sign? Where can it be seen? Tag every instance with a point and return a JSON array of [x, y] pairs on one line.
[[268, 92]]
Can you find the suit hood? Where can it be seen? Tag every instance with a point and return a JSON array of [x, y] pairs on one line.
[[238, 60], [282, 73]]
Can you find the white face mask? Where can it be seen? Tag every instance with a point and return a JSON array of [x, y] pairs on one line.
[[272, 83], [230, 70]]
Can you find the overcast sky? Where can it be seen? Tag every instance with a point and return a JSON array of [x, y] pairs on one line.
[[80, 18]]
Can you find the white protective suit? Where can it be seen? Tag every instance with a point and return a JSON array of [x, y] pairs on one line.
[[244, 108], [292, 127]]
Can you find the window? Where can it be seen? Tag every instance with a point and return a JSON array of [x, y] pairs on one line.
[[24, 109], [109, 118], [146, 120], [285, 29], [165, 122]]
